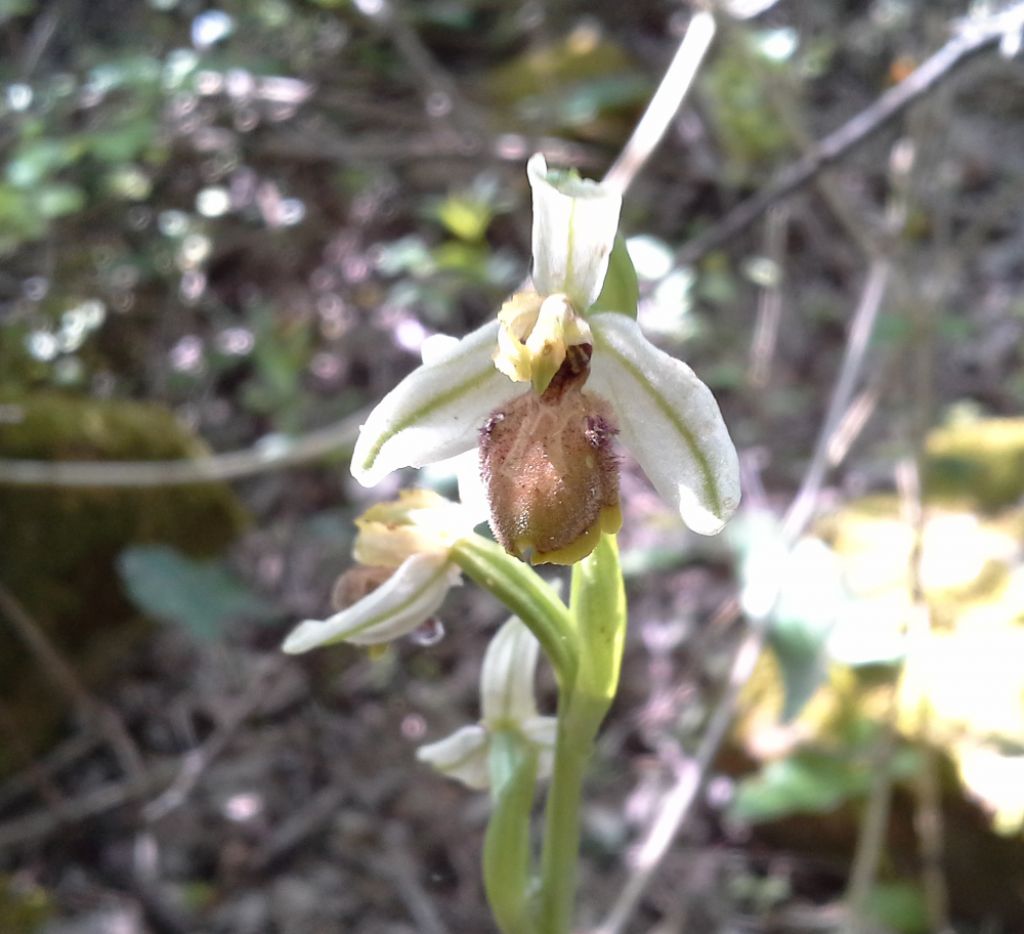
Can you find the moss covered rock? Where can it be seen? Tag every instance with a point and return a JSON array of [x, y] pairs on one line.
[[58, 545], [23, 907]]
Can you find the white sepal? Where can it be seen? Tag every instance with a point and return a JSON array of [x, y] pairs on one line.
[[436, 411], [403, 602], [574, 225], [669, 420], [462, 756]]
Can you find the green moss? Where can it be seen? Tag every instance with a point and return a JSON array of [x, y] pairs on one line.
[[58, 545], [23, 909]]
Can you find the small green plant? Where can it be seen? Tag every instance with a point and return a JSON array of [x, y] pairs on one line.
[[542, 392]]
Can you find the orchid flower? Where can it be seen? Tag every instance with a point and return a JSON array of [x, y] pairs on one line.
[[515, 388], [506, 704], [404, 570]]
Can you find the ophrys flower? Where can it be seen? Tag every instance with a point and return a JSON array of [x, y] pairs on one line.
[[402, 574], [549, 384]]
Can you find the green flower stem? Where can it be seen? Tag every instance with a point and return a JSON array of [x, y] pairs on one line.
[[526, 594], [577, 726], [599, 615]]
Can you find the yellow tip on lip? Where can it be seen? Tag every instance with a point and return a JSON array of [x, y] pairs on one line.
[[608, 523]]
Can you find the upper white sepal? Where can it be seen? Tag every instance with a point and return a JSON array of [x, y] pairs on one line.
[[574, 225]]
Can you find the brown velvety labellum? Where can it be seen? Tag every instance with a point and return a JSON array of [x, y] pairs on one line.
[[551, 474]]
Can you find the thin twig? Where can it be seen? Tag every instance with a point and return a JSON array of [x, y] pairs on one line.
[[34, 776], [857, 340], [43, 30], [441, 95], [676, 803], [923, 313], [873, 828], [781, 100], [397, 864], [665, 103], [44, 770], [399, 149], [971, 38], [103, 718], [42, 823], [274, 452], [312, 816], [197, 761], [769, 300]]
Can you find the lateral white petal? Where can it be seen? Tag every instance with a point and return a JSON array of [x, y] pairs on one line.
[[506, 677], [574, 225], [436, 411], [462, 756], [404, 601], [670, 421]]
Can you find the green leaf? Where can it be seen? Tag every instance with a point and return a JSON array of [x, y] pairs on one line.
[[200, 596], [802, 666], [11, 8], [133, 71], [59, 200], [621, 290], [35, 161], [804, 783], [124, 142], [898, 906], [813, 781], [507, 843], [465, 216]]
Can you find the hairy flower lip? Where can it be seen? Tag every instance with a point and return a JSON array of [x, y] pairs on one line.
[[550, 469]]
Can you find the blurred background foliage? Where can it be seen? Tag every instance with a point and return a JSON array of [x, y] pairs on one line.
[[226, 225]]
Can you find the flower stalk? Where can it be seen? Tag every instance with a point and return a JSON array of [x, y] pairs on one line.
[[598, 607]]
